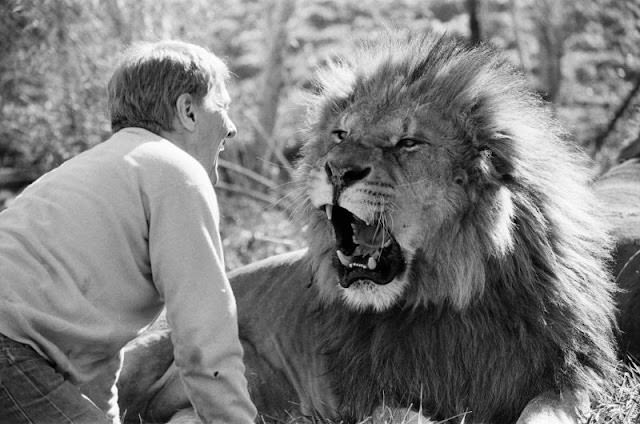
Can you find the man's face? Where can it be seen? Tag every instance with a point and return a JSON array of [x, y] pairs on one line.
[[213, 126]]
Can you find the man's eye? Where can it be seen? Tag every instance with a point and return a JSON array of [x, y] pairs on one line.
[[338, 135]]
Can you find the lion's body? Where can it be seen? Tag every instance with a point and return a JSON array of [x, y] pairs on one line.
[[457, 256], [489, 360]]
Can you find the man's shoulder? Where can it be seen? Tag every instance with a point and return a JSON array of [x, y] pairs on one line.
[[161, 172], [156, 156]]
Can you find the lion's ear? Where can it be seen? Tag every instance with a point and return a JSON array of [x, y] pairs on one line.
[[495, 147], [502, 158], [495, 165]]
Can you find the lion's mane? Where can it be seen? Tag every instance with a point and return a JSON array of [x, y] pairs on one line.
[[508, 299]]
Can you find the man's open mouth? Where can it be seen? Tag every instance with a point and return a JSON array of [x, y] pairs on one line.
[[363, 252]]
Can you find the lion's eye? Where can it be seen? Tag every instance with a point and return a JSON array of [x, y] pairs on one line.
[[338, 135], [409, 143]]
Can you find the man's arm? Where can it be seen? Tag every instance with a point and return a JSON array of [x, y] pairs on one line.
[[188, 270]]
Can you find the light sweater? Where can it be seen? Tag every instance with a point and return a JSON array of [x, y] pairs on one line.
[[92, 251]]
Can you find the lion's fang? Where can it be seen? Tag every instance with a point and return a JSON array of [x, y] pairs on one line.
[[329, 211], [371, 263], [344, 259]]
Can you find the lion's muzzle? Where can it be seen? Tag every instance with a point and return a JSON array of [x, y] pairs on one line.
[[355, 196], [341, 176]]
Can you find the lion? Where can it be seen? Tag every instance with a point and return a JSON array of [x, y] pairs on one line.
[[457, 259]]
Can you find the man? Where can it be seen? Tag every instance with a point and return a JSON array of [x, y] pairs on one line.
[[92, 251]]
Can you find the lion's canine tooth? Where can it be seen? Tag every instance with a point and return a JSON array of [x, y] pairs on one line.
[[329, 211], [344, 259], [371, 263], [387, 243]]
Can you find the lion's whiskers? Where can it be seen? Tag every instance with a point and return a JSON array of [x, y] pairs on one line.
[[293, 201], [382, 217], [300, 209]]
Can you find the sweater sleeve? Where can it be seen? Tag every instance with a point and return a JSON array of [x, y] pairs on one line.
[[188, 271]]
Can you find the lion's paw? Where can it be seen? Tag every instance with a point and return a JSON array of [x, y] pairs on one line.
[[550, 408], [185, 416], [386, 415]]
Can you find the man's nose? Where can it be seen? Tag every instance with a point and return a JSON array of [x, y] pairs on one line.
[[231, 128]]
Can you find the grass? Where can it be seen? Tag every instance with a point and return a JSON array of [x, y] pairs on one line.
[[621, 403]]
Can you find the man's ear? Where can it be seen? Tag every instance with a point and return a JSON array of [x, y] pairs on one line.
[[185, 111]]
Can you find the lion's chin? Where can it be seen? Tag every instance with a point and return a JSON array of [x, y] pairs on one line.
[[364, 295]]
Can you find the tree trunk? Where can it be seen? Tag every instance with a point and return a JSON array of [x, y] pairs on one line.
[[122, 26], [515, 24], [272, 83], [549, 26], [473, 8]]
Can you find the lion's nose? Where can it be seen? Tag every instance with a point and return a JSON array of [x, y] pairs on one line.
[[345, 176]]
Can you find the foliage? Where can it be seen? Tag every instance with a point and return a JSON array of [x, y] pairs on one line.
[[51, 102], [251, 231], [59, 54]]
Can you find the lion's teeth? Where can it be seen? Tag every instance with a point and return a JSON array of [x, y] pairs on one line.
[[344, 259], [329, 211], [387, 243], [371, 263]]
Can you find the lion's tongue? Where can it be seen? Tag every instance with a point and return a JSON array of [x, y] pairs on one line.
[[372, 236]]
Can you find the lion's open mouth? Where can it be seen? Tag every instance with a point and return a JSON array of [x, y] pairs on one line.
[[363, 252]]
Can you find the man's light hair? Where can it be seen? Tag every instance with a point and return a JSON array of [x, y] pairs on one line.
[[151, 76]]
